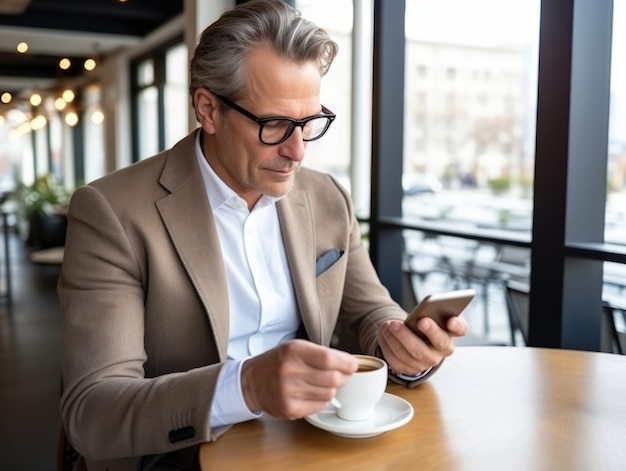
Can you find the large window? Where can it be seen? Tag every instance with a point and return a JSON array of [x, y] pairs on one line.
[[614, 286], [161, 99], [147, 122], [469, 117], [616, 179], [93, 126], [176, 94], [470, 87]]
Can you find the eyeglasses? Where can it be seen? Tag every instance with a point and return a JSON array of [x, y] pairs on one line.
[[276, 129]]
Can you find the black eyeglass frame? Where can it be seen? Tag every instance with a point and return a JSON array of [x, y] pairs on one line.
[[294, 122]]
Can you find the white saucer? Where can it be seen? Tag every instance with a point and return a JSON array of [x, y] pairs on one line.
[[391, 412]]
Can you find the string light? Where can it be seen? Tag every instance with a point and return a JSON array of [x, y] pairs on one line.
[[97, 117], [65, 63], [35, 99], [6, 97], [68, 95], [38, 122], [22, 47], [21, 129], [89, 64], [71, 119], [60, 104]]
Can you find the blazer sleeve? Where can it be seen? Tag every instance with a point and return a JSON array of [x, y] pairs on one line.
[[109, 407]]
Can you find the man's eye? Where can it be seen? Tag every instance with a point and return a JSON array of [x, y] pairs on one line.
[[277, 124]]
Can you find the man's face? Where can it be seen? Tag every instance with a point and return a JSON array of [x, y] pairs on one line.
[[275, 88]]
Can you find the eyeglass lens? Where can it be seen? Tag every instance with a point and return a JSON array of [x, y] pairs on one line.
[[277, 130]]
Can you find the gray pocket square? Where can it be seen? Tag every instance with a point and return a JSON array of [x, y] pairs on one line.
[[327, 260]]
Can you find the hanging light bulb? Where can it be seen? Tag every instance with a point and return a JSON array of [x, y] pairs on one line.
[[38, 122], [68, 95], [23, 128], [97, 117], [71, 119], [89, 64], [60, 104], [35, 99]]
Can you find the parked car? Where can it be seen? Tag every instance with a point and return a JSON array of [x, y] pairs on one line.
[[416, 183]]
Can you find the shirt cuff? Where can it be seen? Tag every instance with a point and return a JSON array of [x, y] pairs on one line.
[[229, 406], [410, 378], [403, 377]]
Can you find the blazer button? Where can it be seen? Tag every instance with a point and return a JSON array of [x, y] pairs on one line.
[[181, 434]]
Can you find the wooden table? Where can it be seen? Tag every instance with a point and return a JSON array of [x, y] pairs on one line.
[[487, 408]]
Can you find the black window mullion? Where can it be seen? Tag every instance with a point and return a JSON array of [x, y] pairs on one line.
[[570, 172], [552, 140], [386, 243], [587, 171], [159, 66]]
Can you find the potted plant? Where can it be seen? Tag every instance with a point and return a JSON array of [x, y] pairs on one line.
[[43, 212]]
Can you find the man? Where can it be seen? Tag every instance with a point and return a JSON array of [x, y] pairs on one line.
[[201, 287]]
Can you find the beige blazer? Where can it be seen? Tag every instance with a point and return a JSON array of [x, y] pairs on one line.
[[144, 299]]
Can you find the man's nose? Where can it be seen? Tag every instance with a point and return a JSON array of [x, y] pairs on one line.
[[294, 147]]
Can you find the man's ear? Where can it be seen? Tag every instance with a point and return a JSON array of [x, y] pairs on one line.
[[207, 109]]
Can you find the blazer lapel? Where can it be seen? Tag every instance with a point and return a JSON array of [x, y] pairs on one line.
[[296, 222], [189, 221]]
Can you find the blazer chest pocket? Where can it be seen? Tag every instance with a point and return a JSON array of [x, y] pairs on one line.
[[327, 260]]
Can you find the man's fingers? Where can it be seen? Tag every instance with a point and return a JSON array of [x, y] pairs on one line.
[[320, 357], [295, 379]]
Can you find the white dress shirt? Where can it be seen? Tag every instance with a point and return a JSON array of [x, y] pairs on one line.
[[262, 303]]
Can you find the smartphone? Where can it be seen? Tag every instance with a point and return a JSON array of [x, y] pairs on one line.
[[440, 307]]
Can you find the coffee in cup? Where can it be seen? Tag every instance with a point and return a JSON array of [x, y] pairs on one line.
[[359, 396]]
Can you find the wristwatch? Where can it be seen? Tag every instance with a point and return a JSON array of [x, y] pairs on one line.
[[409, 381]]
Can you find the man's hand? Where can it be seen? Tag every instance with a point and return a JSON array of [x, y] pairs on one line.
[[406, 353], [295, 379]]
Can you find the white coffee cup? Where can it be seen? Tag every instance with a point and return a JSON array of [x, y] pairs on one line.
[[359, 396]]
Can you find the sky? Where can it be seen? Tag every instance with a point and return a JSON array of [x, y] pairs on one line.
[[432, 19], [477, 22]]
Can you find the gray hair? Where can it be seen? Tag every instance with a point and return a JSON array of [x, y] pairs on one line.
[[219, 62]]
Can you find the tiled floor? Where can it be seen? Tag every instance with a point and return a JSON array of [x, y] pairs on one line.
[[30, 368]]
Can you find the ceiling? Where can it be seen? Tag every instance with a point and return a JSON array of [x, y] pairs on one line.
[[76, 29]]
